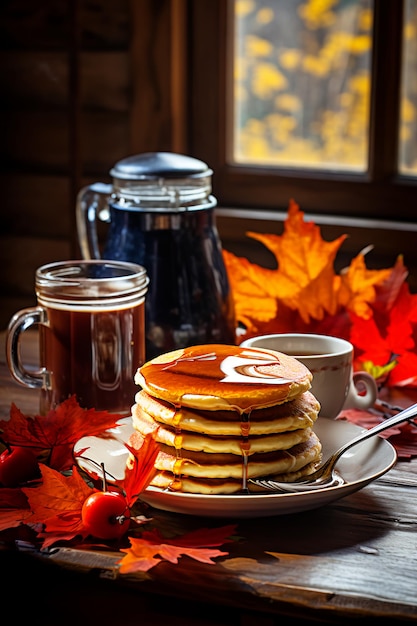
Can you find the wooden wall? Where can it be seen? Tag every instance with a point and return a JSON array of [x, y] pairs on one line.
[[86, 83]]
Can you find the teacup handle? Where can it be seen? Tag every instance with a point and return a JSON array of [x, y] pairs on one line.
[[363, 392], [21, 321]]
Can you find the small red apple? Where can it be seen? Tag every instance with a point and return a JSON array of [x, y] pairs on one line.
[[105, 515], [17, 465]]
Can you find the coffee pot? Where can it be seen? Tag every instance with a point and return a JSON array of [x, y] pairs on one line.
[[159, 213]]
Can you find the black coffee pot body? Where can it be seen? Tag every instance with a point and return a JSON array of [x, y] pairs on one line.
[[160, 214]]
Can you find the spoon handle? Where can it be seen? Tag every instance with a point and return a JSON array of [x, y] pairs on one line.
[[400, 417]]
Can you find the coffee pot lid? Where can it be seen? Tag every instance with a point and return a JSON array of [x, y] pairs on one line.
[[162, 180], [155, 165]]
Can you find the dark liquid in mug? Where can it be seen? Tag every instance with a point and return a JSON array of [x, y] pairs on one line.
[[303, 353], [93, 354]]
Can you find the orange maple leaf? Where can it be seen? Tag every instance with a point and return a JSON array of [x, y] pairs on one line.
[[253, 304], [56, 432], [140, 468], [56, 503], [304, 280], [358, 287], [142, 555]]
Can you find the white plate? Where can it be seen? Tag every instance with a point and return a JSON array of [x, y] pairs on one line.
[[359, 466]]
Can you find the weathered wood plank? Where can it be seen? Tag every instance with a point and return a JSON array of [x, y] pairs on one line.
[[40, 80], [36, 206], [42, 138], [29, 25], [19, 258], [159, 104]]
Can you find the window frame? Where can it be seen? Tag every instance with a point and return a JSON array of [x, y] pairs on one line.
[[378, 194]]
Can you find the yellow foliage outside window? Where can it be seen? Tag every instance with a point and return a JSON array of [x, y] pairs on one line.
[[302, 71], [302, 84]]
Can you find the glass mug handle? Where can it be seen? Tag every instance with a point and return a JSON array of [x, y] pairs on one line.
[[92, 204], [21, 321]]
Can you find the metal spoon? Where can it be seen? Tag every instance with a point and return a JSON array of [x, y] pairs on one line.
[[325, 476]]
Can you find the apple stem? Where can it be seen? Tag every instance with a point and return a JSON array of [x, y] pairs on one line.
[[104, 477]]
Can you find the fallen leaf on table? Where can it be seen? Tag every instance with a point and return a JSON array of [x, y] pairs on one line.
[[14, 508], [56, 503], [144, 552], [12, 498], [405, 442], [55, 434], [403, 436]]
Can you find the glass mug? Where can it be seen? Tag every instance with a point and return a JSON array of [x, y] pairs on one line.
[[91, 322]]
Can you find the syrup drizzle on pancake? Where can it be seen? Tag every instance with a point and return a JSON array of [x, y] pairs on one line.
[[245, 447], [227, 373]]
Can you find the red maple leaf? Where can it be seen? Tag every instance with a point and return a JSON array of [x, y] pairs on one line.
[[12, 498], [14, 507], [387, 336], [387, 292], [56, 432], [56, 503], [198, 545]]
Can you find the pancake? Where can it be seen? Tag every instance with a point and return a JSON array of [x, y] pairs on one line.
[[219, 377], [216, 486], [225, 444], [299, 413], [225, 414], [202, 465], [208, 473]]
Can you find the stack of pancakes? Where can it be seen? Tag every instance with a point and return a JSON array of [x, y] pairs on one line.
[[225, 414]]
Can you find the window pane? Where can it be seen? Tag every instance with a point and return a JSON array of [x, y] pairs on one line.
[[408, 115], [302, 83]]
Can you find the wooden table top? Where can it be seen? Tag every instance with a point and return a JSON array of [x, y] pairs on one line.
[[353, 558]]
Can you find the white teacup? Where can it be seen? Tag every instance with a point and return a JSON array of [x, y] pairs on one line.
[[329, 359]]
